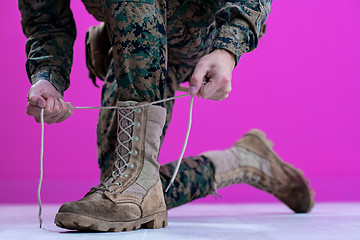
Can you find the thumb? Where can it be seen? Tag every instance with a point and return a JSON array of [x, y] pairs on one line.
[[38, 101], [37, 96], [197, 79]]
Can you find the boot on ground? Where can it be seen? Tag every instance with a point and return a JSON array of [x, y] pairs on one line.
[[132, 196]]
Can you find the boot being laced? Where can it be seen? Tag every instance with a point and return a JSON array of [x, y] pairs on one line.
[[132, 196]]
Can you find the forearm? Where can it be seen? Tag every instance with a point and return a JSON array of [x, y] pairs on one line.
[[238, 25], [51, 32]]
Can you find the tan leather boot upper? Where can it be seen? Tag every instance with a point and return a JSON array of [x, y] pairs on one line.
[[132, 196], [251, 160]]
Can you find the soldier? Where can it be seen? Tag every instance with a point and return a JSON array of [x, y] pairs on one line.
[[155, 45]]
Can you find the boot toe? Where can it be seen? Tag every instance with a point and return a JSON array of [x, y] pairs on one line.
[[104, 210], [299, 196]]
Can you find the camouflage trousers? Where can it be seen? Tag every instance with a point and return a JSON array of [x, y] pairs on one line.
[[156, 45]]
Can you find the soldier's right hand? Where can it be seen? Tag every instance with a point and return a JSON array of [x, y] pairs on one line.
[[44, 95]]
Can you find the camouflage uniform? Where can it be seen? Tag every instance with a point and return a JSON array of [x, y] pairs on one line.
[[156, 45]]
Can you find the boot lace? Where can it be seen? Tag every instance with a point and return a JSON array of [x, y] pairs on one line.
[[121, 163]]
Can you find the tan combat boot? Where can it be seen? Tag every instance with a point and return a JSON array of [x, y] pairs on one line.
[[132, 197], [251, 160]]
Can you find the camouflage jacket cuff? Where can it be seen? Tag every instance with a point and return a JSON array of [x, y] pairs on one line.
[[232, 39], [52, 75]]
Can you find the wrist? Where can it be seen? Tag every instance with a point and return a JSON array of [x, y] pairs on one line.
[[227, 55], [53, 76], [40, 75]]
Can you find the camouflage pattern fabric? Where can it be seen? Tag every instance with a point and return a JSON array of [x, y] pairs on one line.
[[51, 32], [50, 29], [137, 34], [156, 45], [194, 180]]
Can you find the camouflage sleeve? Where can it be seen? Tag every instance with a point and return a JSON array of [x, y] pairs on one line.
[[50, 28], [238, 23]]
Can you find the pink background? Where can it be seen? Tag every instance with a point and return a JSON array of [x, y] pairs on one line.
[[301, 86]]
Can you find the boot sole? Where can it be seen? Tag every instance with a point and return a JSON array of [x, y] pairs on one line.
[[75, 221], [262, 137]]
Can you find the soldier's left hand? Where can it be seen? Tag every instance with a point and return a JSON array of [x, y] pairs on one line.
[[211, 78]]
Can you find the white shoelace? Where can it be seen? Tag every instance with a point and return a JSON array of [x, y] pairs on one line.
[[115, 107]]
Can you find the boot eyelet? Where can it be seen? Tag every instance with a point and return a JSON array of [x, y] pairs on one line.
[[136, 124], [125, 175], [136, 138], [134, 152], [119, 184], [130, 165], [111, 192], [137, 110]]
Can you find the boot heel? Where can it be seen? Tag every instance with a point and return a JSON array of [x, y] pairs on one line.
[[160, 220]]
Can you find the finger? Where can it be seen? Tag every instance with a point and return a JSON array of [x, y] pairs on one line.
[[214, 83], [50, 103], [218, 83], [222, 93], [35, 98], [60, 110], [37, 119], [197, 78], [57, 112], [218, 97], [53, 102], [32, 110], [208, 89], [68, 114], [35, 111]]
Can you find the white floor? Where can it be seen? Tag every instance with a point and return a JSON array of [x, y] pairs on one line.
[[327, 221]]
